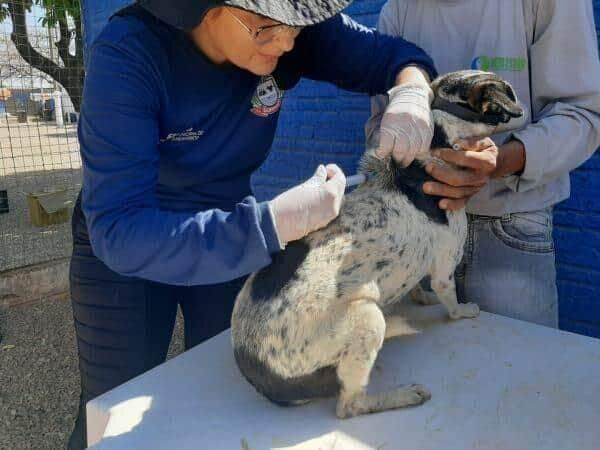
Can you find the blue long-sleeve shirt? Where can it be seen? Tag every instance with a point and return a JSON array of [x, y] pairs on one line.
[[169, 142]]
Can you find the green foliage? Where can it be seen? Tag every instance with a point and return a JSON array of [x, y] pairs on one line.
[[58, 9], [55, 10], [3, 11]]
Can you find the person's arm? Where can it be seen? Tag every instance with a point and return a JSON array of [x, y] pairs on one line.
[[360, 59], [128, 230], [353, 57], [387, 24], [565, 131], [565, 88]]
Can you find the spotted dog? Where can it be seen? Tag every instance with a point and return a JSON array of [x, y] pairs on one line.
[[310, 325]]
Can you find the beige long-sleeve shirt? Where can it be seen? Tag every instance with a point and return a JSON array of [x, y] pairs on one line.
[[547, 50]]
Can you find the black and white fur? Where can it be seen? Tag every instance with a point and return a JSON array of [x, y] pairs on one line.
[[311, 324]]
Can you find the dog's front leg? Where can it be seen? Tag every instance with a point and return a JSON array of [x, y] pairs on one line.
[[423, 297], [444, 286]]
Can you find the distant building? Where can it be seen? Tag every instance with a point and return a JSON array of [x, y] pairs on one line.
[[37, 102]]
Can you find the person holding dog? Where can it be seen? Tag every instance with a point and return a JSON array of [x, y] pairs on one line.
[[509, 183], [180, 106]]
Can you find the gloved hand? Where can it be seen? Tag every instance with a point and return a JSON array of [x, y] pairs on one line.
[[407, 124], [310, 205]]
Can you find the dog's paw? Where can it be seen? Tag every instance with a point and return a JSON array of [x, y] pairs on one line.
[[465, 311], [346, 409], [408, 395], [418, 394], [362, 403]]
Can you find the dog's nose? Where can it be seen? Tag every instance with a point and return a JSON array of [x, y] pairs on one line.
[[518, 111], [516, 121]]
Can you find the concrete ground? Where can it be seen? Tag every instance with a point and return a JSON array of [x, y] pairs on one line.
[[39, 381]]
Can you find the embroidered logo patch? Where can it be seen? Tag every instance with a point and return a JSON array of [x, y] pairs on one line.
[[188, 135], [267, 98]]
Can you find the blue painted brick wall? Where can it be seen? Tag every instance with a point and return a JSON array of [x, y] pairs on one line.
[[577, 238], [320, 123]]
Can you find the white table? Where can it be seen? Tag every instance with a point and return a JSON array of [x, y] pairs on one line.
[[496, 384]]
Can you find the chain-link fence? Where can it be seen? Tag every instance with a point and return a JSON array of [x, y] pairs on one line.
[[41, 78]]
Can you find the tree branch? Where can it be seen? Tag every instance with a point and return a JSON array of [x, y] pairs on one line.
[[65, 40], [19, 37], [71, 75], [78, 39]]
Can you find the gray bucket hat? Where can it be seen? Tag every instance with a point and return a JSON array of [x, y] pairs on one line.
[[186, 14]]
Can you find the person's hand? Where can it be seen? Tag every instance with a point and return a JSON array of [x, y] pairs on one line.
[[407, 124], [476, 164], [310, 205]]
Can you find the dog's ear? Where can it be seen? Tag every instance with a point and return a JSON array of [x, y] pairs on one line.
[[483, 92], [495, 99]]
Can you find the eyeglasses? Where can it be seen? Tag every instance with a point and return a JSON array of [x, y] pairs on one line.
[[264, 34]]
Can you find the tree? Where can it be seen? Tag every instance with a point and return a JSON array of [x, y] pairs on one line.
[[64, 14], [13, 69]]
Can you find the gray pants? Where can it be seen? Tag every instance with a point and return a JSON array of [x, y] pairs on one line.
[[509, 268]]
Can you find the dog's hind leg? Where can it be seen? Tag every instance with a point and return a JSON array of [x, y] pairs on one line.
[[423, 297], [444, 286], [398, 325], [365, 330]]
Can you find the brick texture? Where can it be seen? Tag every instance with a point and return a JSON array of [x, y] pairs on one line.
[[577, 238]]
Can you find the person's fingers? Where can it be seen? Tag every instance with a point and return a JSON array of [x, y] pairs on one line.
[[484, 161], [336, 177], [444, 190], [453, 204], [334, 172], [456, 177], [475, 144], [386, 144]]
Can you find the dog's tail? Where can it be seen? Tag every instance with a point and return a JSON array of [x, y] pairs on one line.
[[283, 391]]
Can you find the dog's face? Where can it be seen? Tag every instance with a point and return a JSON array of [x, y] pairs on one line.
[[482, 96], [472, 103]]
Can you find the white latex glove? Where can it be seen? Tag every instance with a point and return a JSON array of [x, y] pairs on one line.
[[310, 205], [407, 124]]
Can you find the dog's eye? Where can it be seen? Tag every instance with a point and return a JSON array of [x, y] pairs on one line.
[[511, 93]]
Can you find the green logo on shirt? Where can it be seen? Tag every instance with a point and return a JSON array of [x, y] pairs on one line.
[[499, 64]]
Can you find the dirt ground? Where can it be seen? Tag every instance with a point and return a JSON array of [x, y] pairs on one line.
[[35, 156], [36, 145], [39, 381]]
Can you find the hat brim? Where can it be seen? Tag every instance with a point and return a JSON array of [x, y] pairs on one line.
[[292, 12]]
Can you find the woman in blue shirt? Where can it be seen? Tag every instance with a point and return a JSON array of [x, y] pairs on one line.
[[180, 106]]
